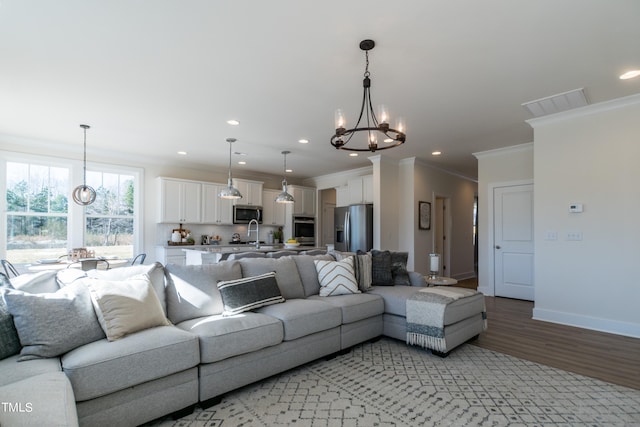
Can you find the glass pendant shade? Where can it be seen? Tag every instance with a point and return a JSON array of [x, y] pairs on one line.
[[83, 194], [285, 197], [230, 192]]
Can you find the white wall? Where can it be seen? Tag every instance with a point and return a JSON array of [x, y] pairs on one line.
[[589, 156], [422, 182], [505, 166]]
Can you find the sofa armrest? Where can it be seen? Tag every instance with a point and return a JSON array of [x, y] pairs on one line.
[[417, 279]]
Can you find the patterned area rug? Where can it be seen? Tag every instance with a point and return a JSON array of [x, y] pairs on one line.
[[387, 383]]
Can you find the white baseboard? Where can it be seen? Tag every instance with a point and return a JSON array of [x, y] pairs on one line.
[[588, 322], [486, 290]]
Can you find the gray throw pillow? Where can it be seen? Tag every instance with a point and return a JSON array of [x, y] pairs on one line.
[[399, 268], [9, 340], [52, 324], [249, 293], [381, 268]]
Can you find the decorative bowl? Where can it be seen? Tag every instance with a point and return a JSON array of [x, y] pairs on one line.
[[291, 245]]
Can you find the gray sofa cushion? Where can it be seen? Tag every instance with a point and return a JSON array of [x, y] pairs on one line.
[[13, 371], [45, 400], [302, 317], [192, 290], [395, 298], [355, 307], [51, 324], [286, 273], [308, 273], [224, 337], [103, 367]]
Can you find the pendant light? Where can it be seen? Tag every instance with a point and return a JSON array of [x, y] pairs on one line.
[[83, 194], [285, 197], [230, 192]]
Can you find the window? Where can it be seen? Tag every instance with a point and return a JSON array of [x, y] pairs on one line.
[[37, 205], [109, 221], [41, 221]]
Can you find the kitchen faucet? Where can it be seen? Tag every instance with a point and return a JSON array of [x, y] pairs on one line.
[[256, 230]]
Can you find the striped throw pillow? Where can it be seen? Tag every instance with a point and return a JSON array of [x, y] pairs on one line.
[[249, 293], [336, 277]]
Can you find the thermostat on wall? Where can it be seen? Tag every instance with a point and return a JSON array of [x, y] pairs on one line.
[[575, 207]]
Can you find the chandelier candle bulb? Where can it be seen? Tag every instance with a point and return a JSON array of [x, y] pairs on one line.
[[383, 113], [340, 120]]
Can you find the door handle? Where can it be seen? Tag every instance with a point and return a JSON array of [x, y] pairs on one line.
[[497, 246]]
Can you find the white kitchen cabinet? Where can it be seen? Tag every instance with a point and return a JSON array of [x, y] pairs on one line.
[[180, 201], [305, 200], [273, 213], [214, 209], [166, 255], [360, 190], [342, 196], [251, 192]]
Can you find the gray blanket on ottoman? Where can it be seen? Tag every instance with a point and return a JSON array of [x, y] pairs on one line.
[[425, 315]]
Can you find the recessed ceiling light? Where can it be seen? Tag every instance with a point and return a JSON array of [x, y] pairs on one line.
[[242, 162], [233, 122], [353, 154], [182, 153], [436, 153], [630, 74], [303, 141], [289, 170], [388, 140]]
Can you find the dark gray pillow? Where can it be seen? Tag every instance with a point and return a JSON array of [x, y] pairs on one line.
[[249, 293], [51, 324], [9, 340], [399, 268], [381, 268]]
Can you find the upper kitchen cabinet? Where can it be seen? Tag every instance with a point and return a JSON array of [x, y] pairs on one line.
[[342, 196], [214, 209], [180, 201], [251, 192], [305, 200], [361, 190], [273, 213]]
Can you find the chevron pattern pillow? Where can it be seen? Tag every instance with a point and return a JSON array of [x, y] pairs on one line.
[[336, 277]]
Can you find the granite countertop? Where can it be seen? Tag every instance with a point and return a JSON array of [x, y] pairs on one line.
[[245, 248]]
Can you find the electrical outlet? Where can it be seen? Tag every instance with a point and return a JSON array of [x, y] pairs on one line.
[[551, 235], [574, 235]]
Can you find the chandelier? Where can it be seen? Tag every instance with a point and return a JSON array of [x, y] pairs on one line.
[[375, 126], [83, 194]]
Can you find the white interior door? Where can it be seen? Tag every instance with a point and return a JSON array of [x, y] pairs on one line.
[[513, 241]]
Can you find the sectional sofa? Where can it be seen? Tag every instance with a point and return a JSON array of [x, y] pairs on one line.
[[189, 334]]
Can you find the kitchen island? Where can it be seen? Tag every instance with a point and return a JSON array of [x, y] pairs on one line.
[[215, 253]]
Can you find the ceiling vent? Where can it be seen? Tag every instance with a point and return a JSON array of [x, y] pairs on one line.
[[557, 103]]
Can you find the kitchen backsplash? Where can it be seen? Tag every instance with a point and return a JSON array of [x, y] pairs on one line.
[[163, 232]]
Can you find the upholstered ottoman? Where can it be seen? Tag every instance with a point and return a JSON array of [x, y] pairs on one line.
[[441, 319]]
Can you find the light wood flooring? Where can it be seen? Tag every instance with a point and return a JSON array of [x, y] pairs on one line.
[[609, 357]]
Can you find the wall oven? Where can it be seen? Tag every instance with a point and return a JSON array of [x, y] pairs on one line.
[[304, 229]]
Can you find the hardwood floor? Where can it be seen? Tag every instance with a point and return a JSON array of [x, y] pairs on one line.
[[609, 357]]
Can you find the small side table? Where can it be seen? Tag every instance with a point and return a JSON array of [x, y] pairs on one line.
[[440, 281]]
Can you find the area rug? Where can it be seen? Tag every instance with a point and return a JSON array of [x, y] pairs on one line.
[[388, 383]]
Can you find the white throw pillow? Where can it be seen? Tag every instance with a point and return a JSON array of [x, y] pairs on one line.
[[336, 277], [126, 306]]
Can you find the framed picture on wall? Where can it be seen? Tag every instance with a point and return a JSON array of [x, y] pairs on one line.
[[424, 215]]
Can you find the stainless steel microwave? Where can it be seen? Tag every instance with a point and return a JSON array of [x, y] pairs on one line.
[[243, 214]]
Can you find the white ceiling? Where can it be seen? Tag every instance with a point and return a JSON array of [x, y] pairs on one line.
[[156, 76]]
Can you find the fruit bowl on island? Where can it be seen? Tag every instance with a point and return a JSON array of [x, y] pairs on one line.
[[291, 243]]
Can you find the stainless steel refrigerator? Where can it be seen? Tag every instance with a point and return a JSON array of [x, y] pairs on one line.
[[353, 228]]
